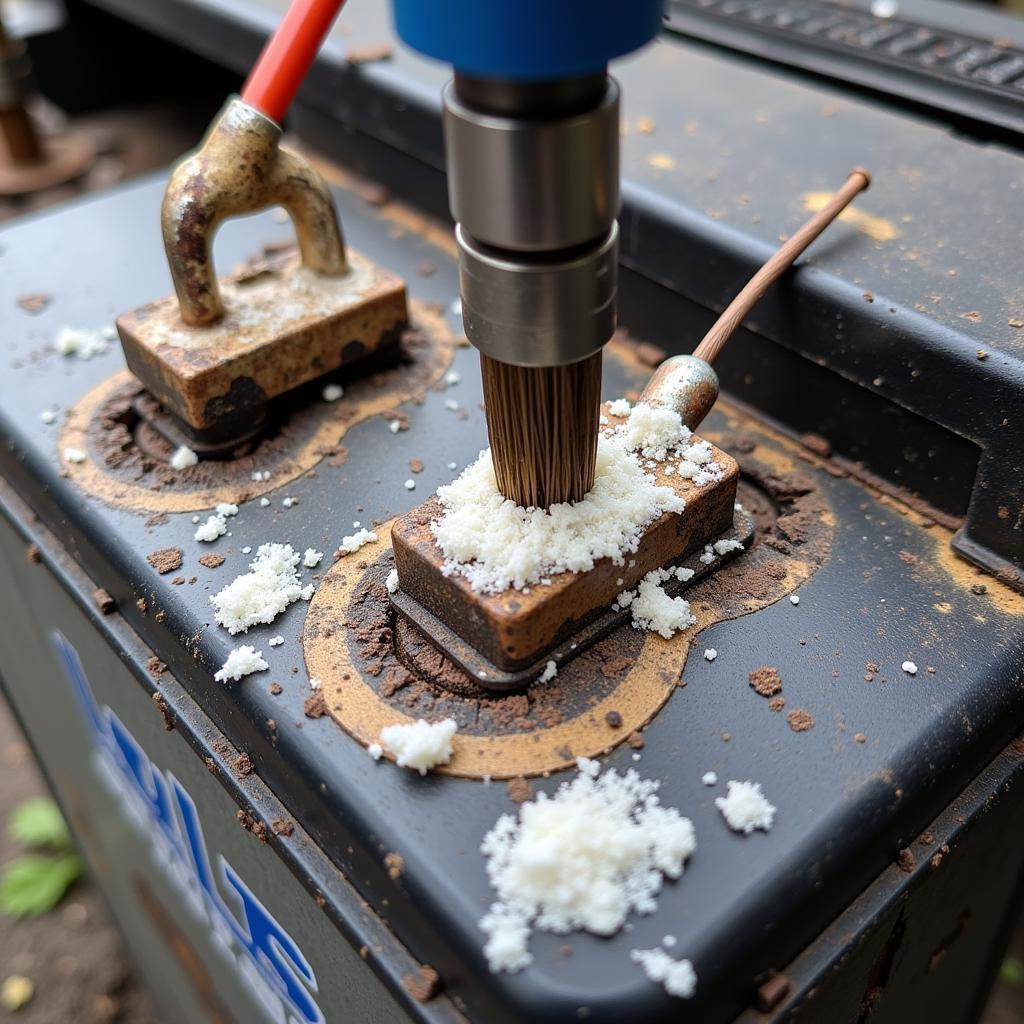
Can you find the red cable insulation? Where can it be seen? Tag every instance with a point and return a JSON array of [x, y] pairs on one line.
[[287, 56]]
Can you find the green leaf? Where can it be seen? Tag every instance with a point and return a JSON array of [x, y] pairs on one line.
[[1012, 972], [32, 885], [38, 823]]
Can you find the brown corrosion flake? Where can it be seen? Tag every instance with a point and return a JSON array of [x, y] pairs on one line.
[[800, 720], [315, 706], [165, 560], [766, 681], [423, 985]]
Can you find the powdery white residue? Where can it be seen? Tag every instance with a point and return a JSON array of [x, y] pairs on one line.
[[183, 457], [745, 807], [497, 544], [549, 673], [654, 610], [83, 343], [350, 545], [392, 582], [242, 661], [654, 431], [421, 744], [583, 858], [261, 594], [677, 976], [214, 527]]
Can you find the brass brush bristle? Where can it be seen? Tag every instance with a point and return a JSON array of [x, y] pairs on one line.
[[542, 423]]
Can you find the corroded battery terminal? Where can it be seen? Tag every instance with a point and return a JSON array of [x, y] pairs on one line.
[[219, 351]]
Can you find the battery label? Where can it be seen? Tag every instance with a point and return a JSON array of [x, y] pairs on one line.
[[266, 957]]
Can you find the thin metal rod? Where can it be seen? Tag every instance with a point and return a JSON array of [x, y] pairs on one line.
[[737, 310]]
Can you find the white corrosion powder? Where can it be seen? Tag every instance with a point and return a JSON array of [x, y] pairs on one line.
[[678, 976], [655, 431], [709, 778], [659, 434], [183, 457], [420, 744], [311, 558], [745, 807], [549, 673], [497, 544], [242, 661], [620, 407], [217, 525], [332, 392], [585, 857], [910, 668], [392, 582], [654, 610], [350, 545], [214, 527], [74, 455], [261, 594], [83, 343]]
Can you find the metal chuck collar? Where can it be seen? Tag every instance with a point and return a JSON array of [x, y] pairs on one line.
[[538, 268]]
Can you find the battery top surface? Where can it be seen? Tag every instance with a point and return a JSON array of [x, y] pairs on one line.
[[886, 752]]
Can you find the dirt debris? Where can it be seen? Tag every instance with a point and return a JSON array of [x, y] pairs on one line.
[[800, 720], [252, 825], [395, 865], [211, 560], [34, 302], [423, 985], [282, 827], [766, 681], [165, 711], [315, 706], [165, 560]]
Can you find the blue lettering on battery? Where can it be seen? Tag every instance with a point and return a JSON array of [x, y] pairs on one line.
[[277, 959]]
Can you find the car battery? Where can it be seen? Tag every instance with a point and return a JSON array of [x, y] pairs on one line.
[[259, 862], [850, 660]]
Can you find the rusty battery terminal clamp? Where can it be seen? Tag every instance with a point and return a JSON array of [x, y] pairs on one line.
[[218, 351]]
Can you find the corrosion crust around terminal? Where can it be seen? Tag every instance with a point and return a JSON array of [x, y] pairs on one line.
[[376, 670], [126, 463]]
